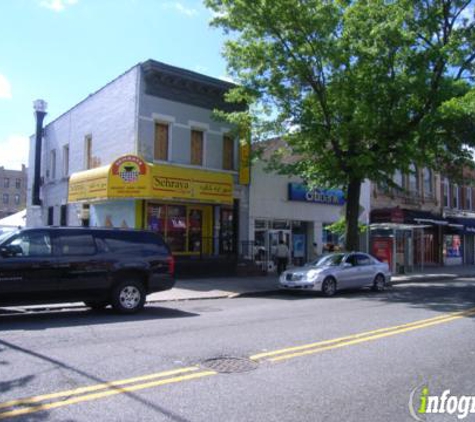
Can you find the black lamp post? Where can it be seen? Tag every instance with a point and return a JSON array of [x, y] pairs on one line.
[[40, 113]]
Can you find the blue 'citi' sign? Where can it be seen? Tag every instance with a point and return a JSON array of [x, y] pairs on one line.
[[300, 192]]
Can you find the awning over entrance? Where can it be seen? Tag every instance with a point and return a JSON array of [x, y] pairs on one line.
[[130, 177], [467, 225], [405, 217]]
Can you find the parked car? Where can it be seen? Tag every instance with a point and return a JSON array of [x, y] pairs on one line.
[[100, 267], [338, 271]]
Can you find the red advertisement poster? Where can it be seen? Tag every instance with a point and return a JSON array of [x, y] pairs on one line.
[[383, 249]]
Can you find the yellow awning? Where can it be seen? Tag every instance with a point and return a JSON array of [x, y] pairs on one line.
[[130, 177]]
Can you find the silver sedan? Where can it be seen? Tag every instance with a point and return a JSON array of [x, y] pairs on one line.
[[338, 271]]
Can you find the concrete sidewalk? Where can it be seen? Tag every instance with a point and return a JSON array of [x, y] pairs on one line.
[[228, 287]]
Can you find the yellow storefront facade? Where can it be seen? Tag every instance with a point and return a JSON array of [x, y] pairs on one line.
[[192, 209]]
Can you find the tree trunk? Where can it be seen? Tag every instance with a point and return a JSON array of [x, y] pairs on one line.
[[352, 213]]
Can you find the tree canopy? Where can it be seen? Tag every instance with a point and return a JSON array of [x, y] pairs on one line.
[[358, 89]]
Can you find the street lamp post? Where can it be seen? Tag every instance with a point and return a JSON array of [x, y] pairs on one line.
[[40, 112]]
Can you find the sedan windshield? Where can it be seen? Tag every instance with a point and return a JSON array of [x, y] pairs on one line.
[[332, 260]]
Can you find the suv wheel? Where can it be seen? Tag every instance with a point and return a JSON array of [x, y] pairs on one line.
[[96, 305], [128, 297]]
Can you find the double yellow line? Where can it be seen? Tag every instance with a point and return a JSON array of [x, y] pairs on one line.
[[336, 343], [98, 391], [51, 401]]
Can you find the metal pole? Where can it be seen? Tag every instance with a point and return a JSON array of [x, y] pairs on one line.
[[422, 250], [40, 113]]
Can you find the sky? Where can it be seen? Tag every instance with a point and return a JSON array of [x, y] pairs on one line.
[[63, 50]]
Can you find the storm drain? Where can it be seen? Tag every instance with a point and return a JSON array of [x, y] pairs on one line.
[[230, 365]]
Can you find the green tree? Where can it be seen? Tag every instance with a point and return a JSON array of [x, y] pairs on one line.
[[357, 89]]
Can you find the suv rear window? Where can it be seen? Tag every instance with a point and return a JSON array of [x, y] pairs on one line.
[[76, 244], [146, 243]]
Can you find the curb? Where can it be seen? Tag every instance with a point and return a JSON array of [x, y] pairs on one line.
[[230, 295]]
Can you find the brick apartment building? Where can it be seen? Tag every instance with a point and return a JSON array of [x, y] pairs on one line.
[[12, 190]]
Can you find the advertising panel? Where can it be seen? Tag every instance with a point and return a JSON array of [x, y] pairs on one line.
[[301, 192]]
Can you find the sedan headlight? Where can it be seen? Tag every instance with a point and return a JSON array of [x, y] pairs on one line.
[[312, 275]]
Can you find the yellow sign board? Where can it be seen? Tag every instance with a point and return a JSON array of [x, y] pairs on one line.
[[131, 177], [244, 162], [87, 185], [170, 182]]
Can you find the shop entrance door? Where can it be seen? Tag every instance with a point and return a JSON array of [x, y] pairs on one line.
[[200, 228]]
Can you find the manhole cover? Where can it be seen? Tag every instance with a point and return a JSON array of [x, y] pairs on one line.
[[230, 365]]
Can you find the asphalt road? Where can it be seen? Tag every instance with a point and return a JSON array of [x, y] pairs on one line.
[[292, 357]]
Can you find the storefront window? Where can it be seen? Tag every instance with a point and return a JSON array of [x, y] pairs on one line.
[[186, 228], [195, 220], [227, 231], [452, 246], [156, 218], [176, 228]]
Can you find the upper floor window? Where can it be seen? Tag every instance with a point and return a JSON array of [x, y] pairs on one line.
[[88, 152], [53, 164], [413, 179], [427, 178], [468, 198], [66, 160], [228, 153], [197, 147], [18, 183], [160, 151], [17, 199], [399, 179], [455, 196], [6, 182], [5, 198], [446, 193]]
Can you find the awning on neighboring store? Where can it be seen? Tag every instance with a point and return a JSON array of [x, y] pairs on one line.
[[467, 225], [130, 177], [15, 220], [397, 226]]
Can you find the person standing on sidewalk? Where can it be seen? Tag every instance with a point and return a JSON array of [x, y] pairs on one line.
[[282, 254]]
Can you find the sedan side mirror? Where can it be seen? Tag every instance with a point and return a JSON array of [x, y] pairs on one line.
[[11, 250], [347, 265]]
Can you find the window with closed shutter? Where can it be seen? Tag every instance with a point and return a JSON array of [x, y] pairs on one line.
[[161, 142], [228, 153], [197, 147]]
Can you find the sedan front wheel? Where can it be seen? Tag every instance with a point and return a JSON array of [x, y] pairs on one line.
[[329, 286]]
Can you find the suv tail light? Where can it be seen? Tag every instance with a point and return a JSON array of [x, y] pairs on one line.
[[171, 264]]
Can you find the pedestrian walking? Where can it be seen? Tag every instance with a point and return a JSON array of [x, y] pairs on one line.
[[282, 254]]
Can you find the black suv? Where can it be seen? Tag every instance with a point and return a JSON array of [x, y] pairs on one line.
[[98, 266]]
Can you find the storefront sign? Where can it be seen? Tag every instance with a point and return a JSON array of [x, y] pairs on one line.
[[130, 177], [88, 184], [244, 163], [170, 182], [300, 192]]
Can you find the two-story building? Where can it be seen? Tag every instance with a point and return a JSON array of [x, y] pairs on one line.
[[407, 226], [145, 151], [284, 208], [459, 210]]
